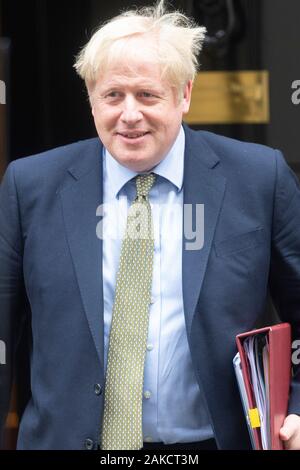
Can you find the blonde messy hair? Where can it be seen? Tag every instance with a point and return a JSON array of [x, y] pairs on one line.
[[177, 43]]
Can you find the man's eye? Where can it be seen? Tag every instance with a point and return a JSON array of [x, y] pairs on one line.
[[113, 94], [146, 94]]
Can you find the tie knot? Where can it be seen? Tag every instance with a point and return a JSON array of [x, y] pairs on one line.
[[143, 184]]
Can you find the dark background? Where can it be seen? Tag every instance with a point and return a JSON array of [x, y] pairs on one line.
[[47, 101], [47, 104]]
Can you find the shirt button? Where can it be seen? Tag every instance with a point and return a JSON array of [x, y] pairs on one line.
[[98, 389], [147, 394], [149, 347], [88, 444], [148, 439]]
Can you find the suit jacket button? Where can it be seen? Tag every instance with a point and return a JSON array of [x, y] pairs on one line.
[[98, 389], [88, 444]]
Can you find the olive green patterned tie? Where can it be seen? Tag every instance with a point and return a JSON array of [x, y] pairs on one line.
[[122, 421]]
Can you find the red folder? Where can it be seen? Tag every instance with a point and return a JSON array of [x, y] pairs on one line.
[[279, 340]]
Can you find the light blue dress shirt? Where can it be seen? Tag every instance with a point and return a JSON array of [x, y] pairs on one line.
[[173, 408]]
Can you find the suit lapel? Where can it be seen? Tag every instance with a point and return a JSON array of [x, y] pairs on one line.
[[80, 197], [83, 193], [203, 184]]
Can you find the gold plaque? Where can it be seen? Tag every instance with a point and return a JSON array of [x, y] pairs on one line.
[[230, 98], [12, 420]]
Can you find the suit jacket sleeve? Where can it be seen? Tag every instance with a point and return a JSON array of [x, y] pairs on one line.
[[11, 285], [285, 259]]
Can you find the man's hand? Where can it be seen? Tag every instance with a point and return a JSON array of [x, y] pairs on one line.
[[290, 432]]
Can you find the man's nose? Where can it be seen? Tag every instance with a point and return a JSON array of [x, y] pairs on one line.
[[131, 112]]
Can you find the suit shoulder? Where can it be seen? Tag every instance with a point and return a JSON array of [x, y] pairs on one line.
[[227, 146], [57, 158], [49, 170], [237, 160]]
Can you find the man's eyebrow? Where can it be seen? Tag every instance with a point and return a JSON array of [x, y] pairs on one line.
[[142, 85]]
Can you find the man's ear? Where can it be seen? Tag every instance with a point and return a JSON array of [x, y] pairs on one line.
[[92, 104], [90, 89], [187, 94], [92, 109]]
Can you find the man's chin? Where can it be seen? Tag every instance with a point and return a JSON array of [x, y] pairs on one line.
[[138, 165]]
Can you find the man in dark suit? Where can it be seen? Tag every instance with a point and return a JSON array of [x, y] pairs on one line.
[[59, 261]]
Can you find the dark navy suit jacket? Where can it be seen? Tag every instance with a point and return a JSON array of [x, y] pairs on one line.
[[51, 271]]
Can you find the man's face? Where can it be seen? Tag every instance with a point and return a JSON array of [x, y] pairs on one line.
[[137, 114]]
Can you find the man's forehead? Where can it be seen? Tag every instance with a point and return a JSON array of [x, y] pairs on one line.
[[142, 74], [120, 80]]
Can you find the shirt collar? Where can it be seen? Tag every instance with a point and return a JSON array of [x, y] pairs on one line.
[[170, 168]]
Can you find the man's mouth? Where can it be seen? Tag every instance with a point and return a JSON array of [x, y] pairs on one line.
[[132, 135]]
